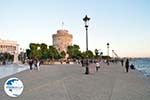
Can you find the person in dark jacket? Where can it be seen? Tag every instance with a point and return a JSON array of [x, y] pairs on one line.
[[122, 62], [30, 64], [127, 65], [132, 67]]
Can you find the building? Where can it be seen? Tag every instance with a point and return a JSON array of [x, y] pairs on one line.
[[7, 46], [62, 39]]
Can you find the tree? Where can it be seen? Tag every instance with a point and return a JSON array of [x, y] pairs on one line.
[[33, 46], [53, 53], [44, 51], [6, 56], [74, 52], [1, 56], [35, 53], [90, 54], [70, 51], [28, 51], [83, 55], [96, 53], [63, 54], [38, 51]]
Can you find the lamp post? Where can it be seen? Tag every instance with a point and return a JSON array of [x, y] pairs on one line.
[[86, 20], [107, 49], [112, 53]]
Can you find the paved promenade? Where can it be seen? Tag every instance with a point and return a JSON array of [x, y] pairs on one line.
[[68, 82], [7, 70]]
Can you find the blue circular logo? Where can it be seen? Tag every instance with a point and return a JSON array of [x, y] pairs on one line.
[[13, 87]]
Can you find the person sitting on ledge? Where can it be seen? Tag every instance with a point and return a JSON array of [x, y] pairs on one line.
[[132, 66]]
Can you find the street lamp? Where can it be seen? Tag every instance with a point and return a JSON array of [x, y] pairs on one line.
[[112, 53], [107, 49], [86, 20]]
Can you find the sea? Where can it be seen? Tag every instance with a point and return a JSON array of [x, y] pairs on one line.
[[142, 65]]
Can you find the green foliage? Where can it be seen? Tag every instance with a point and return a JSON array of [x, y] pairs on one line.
[[74, 52], [63, 54], [96, 53], [41, 51], [35, 53], [33, 46], [90, 54], [28, 51], [83, 55], [6, 56], [52, 52]]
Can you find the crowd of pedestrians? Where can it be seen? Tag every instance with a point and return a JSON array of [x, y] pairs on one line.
[[124, 63], [35, 63]]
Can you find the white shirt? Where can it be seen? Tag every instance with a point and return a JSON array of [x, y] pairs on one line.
[[97, 64]]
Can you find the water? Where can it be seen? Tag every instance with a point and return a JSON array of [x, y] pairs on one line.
[[142, 65]]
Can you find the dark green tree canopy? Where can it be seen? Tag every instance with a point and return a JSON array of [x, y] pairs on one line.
[[74, 52], [41, 51], [63, 54]]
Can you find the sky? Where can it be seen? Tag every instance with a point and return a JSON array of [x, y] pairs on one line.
[[124, 24]]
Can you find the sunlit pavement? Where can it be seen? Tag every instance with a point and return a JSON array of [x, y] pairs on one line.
[[68, 82], [7, 70]]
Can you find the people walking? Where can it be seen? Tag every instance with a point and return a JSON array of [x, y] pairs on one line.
[[107, 61], [35, 64], [122, 62], [127, 65], [82, 62], [31, 64], [38, 65], [97, 66]]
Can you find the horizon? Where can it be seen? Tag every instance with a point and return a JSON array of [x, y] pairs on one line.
[[122, 24]]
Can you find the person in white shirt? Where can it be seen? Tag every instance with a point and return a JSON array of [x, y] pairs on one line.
[[38, 65], [97, 66]]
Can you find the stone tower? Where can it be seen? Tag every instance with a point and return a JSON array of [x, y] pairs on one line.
[[62, 39]]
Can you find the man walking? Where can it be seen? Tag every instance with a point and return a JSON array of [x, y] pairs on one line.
[[127, 65], [30, 64], [122, 62]]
